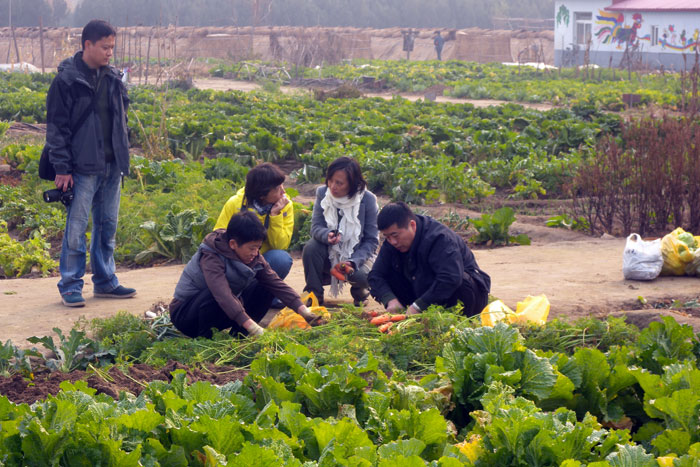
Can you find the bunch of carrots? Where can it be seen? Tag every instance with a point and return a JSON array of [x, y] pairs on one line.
[[385, 321]]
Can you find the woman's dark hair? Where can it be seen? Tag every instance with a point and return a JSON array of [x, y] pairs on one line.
[[245, 227], [260, 180], [352, 170], [395, 213], [96, 30]]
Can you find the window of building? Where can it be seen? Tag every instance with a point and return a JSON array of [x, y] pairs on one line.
[[654, 35], [583, 25]]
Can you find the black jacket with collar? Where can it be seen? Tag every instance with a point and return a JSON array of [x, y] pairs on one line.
[[69, 96], [438, 262]]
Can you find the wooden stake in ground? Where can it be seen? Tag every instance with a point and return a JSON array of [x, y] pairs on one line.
[[14, 39], [41, 42], [130, 59], [140, 58], [148, 53], [126, 29], [160, 66]]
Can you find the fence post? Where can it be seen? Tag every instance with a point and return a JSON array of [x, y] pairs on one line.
[[41, 43]]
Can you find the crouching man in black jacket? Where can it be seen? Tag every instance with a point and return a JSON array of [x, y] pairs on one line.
[[422, 262]]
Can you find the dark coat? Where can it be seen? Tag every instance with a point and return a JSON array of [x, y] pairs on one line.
[[217, 267], [69, 95], [441, 268]]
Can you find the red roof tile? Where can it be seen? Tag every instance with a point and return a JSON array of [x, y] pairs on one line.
[[655, 5]]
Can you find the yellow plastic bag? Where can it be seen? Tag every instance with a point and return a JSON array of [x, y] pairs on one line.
[[676, 254], [535, 309], [494, 312], [290, 319]]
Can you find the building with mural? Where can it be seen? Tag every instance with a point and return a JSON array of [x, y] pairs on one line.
[[618, 33]]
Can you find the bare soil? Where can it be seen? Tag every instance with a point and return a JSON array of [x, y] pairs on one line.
[[19, 389]]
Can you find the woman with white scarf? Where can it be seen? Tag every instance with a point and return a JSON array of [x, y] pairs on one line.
[[344, 234]]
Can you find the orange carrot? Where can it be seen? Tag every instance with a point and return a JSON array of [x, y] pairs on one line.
[[385, 327], [381, 319], [395, 318], [372, 313], [337, 274]]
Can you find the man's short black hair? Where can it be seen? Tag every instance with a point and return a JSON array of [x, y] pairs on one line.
[[395, 213], [245, 227], [260, 180], [96, 30], [352, 170]]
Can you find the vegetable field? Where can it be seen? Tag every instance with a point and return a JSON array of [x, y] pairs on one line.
[[440, 390], [436, 389], [598, 87]]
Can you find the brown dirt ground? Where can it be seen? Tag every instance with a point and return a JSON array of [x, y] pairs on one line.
[[19, 389]]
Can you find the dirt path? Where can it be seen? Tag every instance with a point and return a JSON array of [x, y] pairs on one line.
[[220, 84], [580, 276]]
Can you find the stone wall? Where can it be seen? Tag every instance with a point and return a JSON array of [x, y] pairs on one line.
[[310, 46]]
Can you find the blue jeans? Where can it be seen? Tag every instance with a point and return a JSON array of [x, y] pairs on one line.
[[99, 194], [279, 261]]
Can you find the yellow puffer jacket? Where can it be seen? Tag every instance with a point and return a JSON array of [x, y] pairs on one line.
[[279, 229]]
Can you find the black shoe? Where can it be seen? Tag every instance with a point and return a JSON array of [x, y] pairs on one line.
[[73, 299], [119, 292]]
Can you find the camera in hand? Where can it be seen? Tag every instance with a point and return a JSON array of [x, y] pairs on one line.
[[52, 196]]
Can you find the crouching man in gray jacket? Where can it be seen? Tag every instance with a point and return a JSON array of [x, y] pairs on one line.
[[228, 283]]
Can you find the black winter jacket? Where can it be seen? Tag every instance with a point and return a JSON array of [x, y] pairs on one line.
[[69, 95], [438, 263]]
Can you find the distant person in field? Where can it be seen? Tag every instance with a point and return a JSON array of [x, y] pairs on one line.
[[344, 235], [422, 262], [88, 146], [228, 283], [439, 43], [264, 195]]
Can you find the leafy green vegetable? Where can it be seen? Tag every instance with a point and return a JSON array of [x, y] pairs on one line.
[[72, 352], [178, 238], [494, 229]]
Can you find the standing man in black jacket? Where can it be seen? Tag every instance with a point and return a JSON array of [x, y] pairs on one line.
[[86, 136], [422, 262]]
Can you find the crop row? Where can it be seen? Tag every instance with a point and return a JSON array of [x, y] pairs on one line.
[[416, 152], [599, 87], [490, 400]]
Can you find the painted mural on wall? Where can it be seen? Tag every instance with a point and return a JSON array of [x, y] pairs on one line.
[[681, 42], [615, 30], [563, 15]]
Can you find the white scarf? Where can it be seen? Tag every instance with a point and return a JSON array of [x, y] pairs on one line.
[[349, 226]]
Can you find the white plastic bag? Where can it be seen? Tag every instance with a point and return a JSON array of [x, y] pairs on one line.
[[642, 260]]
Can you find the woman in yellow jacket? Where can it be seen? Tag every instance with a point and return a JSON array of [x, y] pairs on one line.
[[264, 194]]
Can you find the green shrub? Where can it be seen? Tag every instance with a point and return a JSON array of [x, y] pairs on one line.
[[20, 258]]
